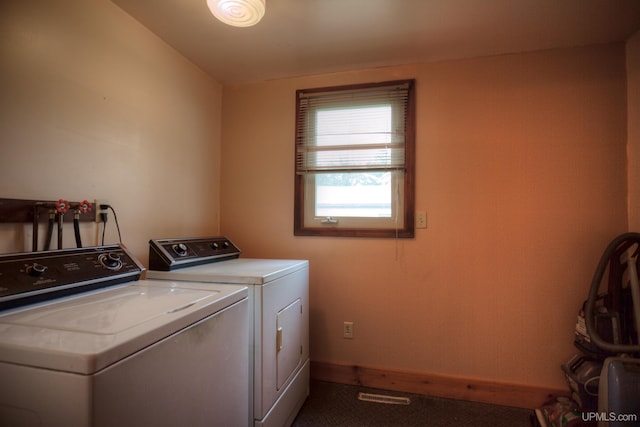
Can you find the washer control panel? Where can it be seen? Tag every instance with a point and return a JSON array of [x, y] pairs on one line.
[[170, 254], [38, 276]]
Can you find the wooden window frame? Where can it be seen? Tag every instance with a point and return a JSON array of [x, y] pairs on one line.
[[407, 230]]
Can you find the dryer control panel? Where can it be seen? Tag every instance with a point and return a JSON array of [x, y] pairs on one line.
[[39, 276], [170, 254]]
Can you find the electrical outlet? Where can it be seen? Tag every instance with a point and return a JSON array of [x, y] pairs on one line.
[[421, 219], [97, 210], [347, 330]]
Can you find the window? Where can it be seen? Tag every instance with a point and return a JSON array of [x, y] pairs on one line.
[[355, 160]]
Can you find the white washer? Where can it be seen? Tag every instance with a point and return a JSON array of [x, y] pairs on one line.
[[279, 315], [140, 353]]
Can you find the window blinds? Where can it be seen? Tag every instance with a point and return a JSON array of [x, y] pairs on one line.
[[359, 129]]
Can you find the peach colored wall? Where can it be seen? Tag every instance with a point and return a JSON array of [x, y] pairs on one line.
[[522, 171], [521, 168], [633, 129], [95, 106]]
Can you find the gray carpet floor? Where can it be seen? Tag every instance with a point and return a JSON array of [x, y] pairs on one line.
[[331, 404]]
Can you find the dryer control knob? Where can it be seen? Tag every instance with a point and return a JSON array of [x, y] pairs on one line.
[[180, 249], [36, 269]]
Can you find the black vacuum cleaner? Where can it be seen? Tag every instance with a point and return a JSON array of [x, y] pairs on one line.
[[619, 383], [604, 378]]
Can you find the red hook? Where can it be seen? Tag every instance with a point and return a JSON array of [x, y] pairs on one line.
[[84, 206], [62, 206]]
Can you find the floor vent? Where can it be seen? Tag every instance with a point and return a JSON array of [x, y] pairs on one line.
[[382, 398]]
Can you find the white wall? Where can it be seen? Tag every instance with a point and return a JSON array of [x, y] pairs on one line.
[[93, 105]]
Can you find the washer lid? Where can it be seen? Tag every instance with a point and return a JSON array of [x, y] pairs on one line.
[[87, 333], [247, 271]]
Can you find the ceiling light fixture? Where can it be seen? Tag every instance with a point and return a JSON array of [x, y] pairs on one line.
[[239, 13]]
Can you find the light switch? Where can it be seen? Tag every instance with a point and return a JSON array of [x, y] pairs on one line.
[[421, 219]]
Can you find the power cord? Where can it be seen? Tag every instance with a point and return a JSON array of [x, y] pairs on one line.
[[103, 217]]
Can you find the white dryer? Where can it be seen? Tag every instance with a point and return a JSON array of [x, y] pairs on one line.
[[279, 316], [129, 353]]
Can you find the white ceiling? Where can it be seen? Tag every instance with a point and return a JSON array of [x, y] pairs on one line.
[[302, 37]]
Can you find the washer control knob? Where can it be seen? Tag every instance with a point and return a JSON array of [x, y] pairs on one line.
[[36, 270], [215, 246], [180, 249], [225, 244], [111, 261]]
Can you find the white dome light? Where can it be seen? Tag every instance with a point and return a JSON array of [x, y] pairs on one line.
[[239, 13]]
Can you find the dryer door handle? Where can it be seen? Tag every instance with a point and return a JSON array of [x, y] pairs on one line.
[[279, 338]]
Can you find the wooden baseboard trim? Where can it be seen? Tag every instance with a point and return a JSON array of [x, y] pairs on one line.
[[521, 396]]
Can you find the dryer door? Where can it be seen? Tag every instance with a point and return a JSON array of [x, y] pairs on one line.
[[288, 341]]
